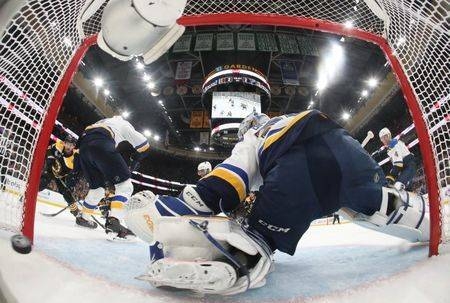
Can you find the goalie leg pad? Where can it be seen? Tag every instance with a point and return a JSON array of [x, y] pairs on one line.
[[401, 214], [204, 277], [126, 32]]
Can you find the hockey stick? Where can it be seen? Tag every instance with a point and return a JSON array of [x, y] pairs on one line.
[[55, 214], [60, 211], [94, 218], [367, 138], [98, 222]]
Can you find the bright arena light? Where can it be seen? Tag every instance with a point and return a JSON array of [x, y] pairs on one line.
[[147, 133], [348, 24], [125, 114], [106, 92], [372, 82], [151, 85], [156, 138], [321, 84], [161, 102], [330, 65], [98, 82], [400, 41], [67, 41], [364, 93], [345, 116], [146, 77], [139, 65], [197, 148]]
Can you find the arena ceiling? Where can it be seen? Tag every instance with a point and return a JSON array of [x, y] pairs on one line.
[[128, 88]]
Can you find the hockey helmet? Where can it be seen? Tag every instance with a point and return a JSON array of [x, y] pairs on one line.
[[253, 120], [204, 168], [384, 131]]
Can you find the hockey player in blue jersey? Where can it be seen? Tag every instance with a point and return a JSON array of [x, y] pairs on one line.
[[305, 166], [403, 163]]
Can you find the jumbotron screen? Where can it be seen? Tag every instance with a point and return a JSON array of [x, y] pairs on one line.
[[234, 104]]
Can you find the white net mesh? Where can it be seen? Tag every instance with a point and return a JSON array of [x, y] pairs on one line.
[[42, 37]]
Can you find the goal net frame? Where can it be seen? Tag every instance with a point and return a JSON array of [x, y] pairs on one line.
[[194, 16]]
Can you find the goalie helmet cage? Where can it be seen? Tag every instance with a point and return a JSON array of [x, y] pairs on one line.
[[44, 41]]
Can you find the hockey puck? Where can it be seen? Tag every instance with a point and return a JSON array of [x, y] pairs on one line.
[[21, 244]]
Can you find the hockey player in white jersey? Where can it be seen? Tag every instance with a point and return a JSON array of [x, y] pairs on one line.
[[101, 163], [403, 162], [305, 165]]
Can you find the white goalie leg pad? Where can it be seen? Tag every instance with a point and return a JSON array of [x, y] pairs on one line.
[[409, 220], [141, 215], [187, 248], [164, 43], [126, 33], [201, 276], [160, 12]]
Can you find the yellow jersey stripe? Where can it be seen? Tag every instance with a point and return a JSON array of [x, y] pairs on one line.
[[93, 126], [273, 138], [59, 145], [117, 204], [233, 179], [143, 148]]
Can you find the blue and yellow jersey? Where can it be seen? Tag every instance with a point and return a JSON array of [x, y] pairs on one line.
[[253, 157]]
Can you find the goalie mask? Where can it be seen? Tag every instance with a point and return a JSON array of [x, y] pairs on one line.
[[253, 120]]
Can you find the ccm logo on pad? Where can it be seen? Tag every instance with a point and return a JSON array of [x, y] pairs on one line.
[[273, 227]]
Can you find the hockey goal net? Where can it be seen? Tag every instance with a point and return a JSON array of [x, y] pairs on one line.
[[43, 42]]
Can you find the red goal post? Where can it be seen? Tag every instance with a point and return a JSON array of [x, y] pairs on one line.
[[44, 41]]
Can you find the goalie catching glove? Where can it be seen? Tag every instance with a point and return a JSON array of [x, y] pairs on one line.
[[197, 251]]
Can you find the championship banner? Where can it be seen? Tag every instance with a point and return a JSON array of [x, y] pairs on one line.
[[266, 42], [206, 122], [183, 71], [288, 44], [307, 46], [183, 44], [246, 41], [225, 41], [289, 73], [196, 119], [203, 42]]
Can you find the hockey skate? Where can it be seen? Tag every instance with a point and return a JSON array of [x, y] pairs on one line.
[[117, 232], [80, 221]]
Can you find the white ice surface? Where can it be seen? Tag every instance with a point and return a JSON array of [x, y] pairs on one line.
[[337, 263]]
